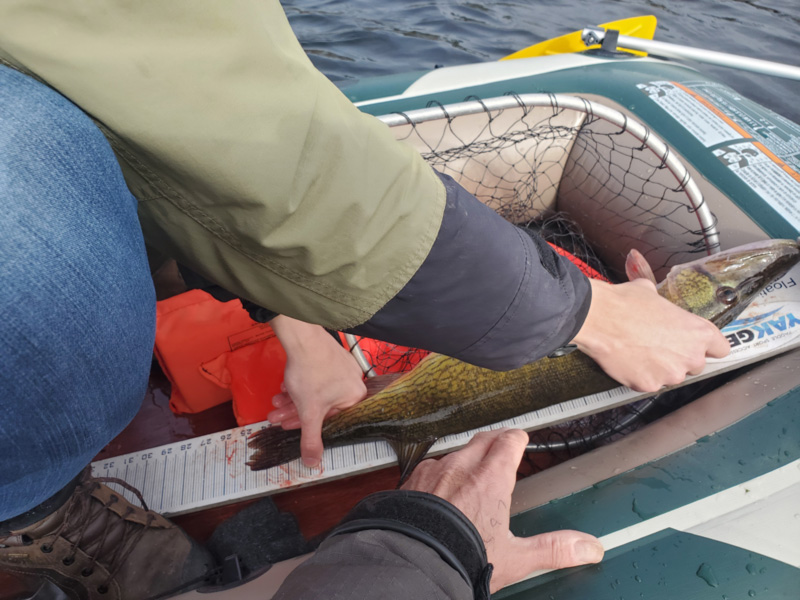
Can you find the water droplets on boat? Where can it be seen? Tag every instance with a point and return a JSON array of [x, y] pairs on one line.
[[706, 573]]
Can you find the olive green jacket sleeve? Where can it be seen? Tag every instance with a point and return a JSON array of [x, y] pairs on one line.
[[249, 165]]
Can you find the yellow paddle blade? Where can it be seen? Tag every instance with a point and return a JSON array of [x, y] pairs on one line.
[[641, 27]]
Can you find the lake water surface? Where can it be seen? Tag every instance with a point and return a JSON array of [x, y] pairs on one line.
[[354, 39]]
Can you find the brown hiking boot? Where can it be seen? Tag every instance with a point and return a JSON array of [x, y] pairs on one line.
[[98, 546]]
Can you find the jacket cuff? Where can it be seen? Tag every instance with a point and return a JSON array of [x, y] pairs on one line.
[[431, 521], [489, 293]]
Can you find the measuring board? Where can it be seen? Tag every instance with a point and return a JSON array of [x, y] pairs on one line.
[[210, 470]]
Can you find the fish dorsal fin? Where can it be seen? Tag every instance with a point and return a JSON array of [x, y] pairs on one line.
[[637, 267], [409, 455]]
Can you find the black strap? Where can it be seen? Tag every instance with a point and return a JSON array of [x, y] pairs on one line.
[[196, 281], [432, 521]]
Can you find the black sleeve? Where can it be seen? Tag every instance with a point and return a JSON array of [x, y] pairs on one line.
[[400, 544], [488, 293]]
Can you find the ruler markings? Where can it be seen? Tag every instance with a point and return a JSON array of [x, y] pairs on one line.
[[214, 473], [225, 469], [199, 478], [184, 466], [175, 481], [144, 476], [205, 456], [188, 479], [183, 479], [163, 482]]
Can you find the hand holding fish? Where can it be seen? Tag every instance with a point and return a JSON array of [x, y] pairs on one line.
[[641, 339], [479, 480], [320, 379]]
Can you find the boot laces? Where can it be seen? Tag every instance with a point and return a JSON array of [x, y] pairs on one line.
[[82, 510]]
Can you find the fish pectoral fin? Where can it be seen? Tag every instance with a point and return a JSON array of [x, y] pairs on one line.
[[637, 267], [409, 455]]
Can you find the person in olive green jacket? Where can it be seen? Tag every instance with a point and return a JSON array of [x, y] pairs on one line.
[[249, 167]]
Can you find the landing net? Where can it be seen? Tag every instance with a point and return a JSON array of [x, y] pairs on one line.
[[586, 177]]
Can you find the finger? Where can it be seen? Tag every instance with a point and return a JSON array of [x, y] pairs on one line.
[[279, 415], [554, 550], [475, 451], [311, 439], [696, 371], [280, 400], [698, 366], [562, 549], [720, 347], [504, 456], [293, 423]]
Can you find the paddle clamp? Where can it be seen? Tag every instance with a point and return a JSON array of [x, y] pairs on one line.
[[592, 36], [607, 39]]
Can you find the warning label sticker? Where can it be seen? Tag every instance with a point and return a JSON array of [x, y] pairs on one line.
[[697, 118], [780, 135], [752, 163], [759, 146]]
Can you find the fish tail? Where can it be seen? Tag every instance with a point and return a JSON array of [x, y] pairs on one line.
[[273, 446]]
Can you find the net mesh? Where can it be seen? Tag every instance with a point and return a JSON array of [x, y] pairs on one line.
[[540, 157], [585, 177]]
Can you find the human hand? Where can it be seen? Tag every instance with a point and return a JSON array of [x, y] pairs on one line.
[[644, 341], [478, 480], [320, 379]]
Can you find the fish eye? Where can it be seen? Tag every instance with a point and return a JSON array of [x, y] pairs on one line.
[[727, 295]]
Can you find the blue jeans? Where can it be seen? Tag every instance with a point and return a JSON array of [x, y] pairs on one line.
[[77, 306]]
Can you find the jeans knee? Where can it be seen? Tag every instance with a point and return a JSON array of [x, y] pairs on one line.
[[37, 117], [77, 299]]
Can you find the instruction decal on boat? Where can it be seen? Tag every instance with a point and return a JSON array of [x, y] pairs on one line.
[[760, 147], [766, 175], [698, 118], [779, 135]]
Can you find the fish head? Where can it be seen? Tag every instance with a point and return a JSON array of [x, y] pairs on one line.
[[720, 286]]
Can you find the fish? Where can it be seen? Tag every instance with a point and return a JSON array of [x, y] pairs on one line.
[[443, 395]]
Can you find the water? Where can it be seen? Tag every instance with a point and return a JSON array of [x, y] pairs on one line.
[[355, 39]]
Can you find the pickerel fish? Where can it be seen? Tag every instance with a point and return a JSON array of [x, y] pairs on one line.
[[443, 396]]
